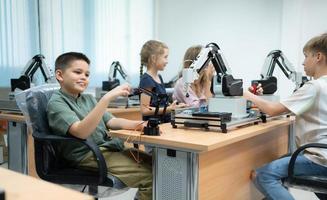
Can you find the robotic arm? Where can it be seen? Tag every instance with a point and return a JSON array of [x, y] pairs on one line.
[[212, 52], [24, 81], [159, 98], [112, 80], [152, 127], [269, 82]]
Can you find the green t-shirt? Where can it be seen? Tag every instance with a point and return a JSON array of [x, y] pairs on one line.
[[63, 110]]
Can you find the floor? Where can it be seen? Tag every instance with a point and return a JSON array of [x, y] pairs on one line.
[[303, 195], [129, 193], [124, 194]]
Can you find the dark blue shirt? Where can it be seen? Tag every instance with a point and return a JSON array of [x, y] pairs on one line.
[[148, 82]]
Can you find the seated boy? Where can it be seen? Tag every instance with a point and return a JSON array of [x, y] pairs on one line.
[[72, 112], [309, 104]]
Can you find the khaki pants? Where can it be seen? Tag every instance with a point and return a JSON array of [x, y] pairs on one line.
[[123, 166]]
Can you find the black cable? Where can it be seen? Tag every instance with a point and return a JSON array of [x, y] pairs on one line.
[[84, 188]]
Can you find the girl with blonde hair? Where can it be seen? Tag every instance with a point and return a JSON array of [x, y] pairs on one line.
[[199, 91], [154, 56]]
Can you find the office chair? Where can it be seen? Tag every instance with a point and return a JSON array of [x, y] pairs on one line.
[[49, 165], [316, 184]]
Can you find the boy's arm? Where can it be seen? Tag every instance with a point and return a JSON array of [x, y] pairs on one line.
[[83, 129], [120, 123], [268, 107]]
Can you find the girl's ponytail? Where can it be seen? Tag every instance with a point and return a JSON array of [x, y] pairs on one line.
[[141, 70]]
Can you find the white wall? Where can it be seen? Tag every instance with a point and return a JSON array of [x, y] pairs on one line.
[[245, 30], [302, 20], [104, 30]]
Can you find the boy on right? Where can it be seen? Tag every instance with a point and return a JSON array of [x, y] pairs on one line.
[[309, 104]]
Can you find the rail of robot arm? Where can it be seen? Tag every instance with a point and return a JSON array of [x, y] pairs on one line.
[[212, 52], [24, 81], [269, 82], [112, 80]]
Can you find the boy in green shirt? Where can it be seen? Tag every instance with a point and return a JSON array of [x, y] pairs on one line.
[[71, 112]]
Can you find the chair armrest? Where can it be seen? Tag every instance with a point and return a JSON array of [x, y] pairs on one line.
[[102, 166], [297, 152]]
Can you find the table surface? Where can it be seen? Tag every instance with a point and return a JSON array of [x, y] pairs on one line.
[[18, 187], [198, 139]]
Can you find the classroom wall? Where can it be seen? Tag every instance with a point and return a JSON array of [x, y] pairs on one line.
[[104, 30], [245, 30], [302, 20]]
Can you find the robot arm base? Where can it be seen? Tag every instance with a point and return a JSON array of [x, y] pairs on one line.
[[231, 86], [109, 85], [22, 83], [269, 85]]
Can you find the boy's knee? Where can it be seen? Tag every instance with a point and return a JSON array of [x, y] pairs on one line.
[[258, 175], [253, 175]]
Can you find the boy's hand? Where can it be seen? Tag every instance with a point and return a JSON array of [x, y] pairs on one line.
[[122, 90], [247, 94], [256, 89], [140, 126]]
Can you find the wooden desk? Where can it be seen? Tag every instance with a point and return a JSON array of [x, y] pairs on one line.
[[210, 165], [18, 187], [12, 117], [133, 113], [20, 144]]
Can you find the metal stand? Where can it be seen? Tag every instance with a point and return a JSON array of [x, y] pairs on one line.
[[17, 147], [175, 174]]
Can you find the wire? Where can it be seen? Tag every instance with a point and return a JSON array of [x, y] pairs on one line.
[[137, 138], [83, 188]]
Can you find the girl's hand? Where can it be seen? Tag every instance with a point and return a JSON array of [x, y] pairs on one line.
[[182, 105], [175, 105]]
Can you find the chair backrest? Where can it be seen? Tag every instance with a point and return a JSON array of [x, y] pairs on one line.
[[36, 102], [33, 103], [313, 183]]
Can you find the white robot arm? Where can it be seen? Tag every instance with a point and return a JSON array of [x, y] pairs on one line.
[[26, 78], [117, 67], [212, 52], [269, 82], [112, 80]]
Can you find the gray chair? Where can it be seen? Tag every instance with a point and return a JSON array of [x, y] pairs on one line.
[[49, 165], [316, 184]]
